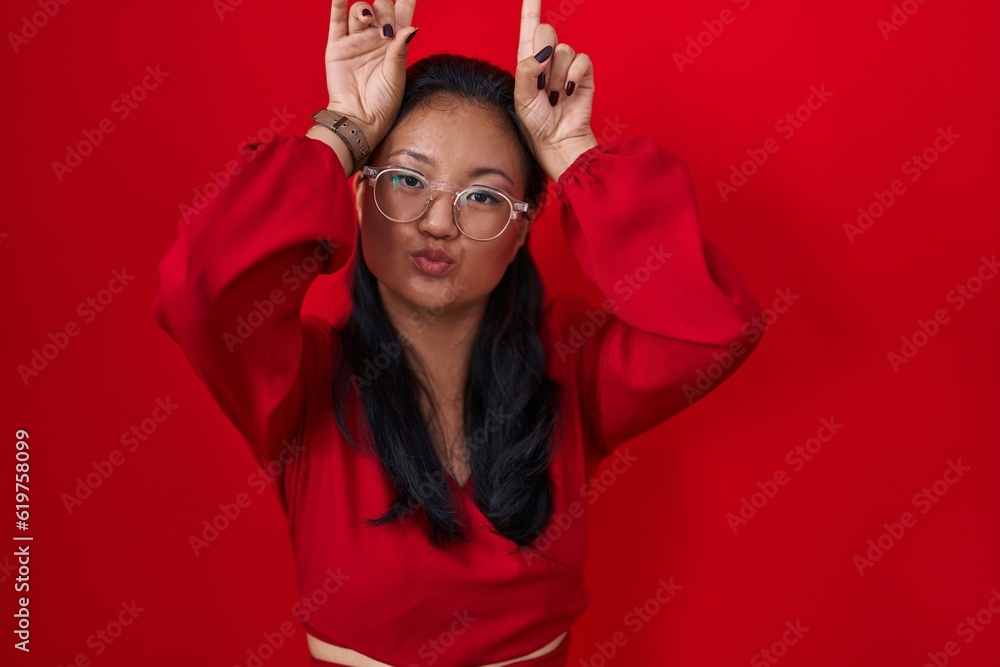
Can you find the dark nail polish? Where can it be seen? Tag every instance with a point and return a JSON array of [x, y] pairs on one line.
[[388, 31], [544, 54], [412, 35], [569, 88], [366, 12], [541, 80], [553, 97]]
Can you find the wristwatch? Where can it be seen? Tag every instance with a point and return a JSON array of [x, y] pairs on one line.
[[347, 130]]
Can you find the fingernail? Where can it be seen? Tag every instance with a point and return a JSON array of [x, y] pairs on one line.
[[541, 80], [412, 35], [569, 88], [366, 12], [553, 97], [544, 54], [387, 31]]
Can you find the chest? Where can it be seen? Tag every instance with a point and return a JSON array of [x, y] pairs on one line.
[[451, 446]]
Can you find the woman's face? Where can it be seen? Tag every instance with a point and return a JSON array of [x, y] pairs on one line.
[[455, 142]]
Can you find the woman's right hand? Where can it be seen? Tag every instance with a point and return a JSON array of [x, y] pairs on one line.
[[366, 62]]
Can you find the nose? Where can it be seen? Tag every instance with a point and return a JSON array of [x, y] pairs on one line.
[[438, 220]]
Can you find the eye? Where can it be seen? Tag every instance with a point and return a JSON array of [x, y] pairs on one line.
[[406, 181], [483, 197]]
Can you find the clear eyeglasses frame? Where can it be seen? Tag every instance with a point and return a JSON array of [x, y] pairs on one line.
[[374, 174]]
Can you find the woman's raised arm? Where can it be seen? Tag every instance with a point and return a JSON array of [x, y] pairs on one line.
[[676, 309], [233, 283], [677, 317]]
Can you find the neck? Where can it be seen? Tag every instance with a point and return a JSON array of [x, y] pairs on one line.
[[439, 341]]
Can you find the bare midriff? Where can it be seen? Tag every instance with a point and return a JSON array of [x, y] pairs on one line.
[[332, 653]]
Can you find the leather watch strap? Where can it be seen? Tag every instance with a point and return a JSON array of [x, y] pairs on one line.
[[347, 130]]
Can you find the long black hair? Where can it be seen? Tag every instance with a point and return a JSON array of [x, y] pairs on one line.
[[511, 419]]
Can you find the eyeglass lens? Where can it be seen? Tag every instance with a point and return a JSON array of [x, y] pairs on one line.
[[481, 213]]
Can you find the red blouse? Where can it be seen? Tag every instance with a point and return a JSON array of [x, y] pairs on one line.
[[231, 291]]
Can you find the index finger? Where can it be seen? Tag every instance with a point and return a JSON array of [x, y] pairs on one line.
[[404, 12], [530, 18]]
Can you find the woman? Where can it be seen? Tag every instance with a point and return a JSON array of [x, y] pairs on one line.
[[432, 443]]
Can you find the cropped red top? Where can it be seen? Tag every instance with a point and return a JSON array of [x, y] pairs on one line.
[[231, 292]]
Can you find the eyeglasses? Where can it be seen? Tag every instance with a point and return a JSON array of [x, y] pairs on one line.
[[402, 195]]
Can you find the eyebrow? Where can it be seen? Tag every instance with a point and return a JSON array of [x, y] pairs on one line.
[[473, 173]]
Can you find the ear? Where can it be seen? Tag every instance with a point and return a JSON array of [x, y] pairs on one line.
[[358, 183], [524, 226]]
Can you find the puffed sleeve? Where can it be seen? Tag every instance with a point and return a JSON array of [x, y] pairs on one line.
[[233, 283], [675, 308]]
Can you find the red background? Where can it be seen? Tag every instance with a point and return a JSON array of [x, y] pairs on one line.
[[666, 516]]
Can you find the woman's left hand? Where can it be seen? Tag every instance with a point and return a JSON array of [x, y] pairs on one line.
[[554, 97]]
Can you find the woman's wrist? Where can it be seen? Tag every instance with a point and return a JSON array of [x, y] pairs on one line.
[[556, 159], [331, 139]]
